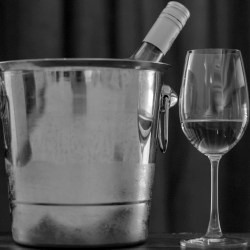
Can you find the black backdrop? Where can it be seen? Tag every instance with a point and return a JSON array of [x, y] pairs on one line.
[[114, 29]]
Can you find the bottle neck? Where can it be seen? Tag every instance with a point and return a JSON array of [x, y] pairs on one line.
[[148, 52]]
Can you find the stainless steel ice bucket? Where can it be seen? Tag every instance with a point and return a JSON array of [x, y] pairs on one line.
[[80, 148]]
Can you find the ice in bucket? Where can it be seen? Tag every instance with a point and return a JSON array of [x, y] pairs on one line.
[[80, 145]]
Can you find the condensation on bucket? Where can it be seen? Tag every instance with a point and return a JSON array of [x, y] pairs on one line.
[[97, 225]]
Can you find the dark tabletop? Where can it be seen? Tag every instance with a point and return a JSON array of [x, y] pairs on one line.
[[155, 241]]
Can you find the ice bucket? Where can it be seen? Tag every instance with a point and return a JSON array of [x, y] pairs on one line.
[[80, 147]]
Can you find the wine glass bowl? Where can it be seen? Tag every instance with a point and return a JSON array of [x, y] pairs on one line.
[[214, 111]]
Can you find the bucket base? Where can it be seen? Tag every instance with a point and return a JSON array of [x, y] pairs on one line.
[[77, 225]]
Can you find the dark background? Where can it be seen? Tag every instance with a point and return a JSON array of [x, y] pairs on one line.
[[114, 29]]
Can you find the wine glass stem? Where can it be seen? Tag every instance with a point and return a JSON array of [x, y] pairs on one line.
[[214, 229]]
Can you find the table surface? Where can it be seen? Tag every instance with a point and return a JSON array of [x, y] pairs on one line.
[[155, 241]]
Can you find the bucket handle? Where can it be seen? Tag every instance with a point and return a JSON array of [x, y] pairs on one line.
[[168, 99]]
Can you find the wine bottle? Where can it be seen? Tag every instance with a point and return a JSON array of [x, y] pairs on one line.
[[163, 33]]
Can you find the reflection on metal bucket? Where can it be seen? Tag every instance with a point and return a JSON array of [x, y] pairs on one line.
[[80, 145]]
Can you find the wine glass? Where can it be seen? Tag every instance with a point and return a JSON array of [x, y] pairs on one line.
[[214, 110]]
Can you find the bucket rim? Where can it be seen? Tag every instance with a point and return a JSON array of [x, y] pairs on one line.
[[36, 64]]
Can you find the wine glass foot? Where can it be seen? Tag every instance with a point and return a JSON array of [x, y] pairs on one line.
[[204, 242]]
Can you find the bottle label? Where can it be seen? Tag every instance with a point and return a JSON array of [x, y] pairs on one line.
[[163, 33]]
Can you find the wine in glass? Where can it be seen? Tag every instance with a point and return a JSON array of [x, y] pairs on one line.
[[214, 111]]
